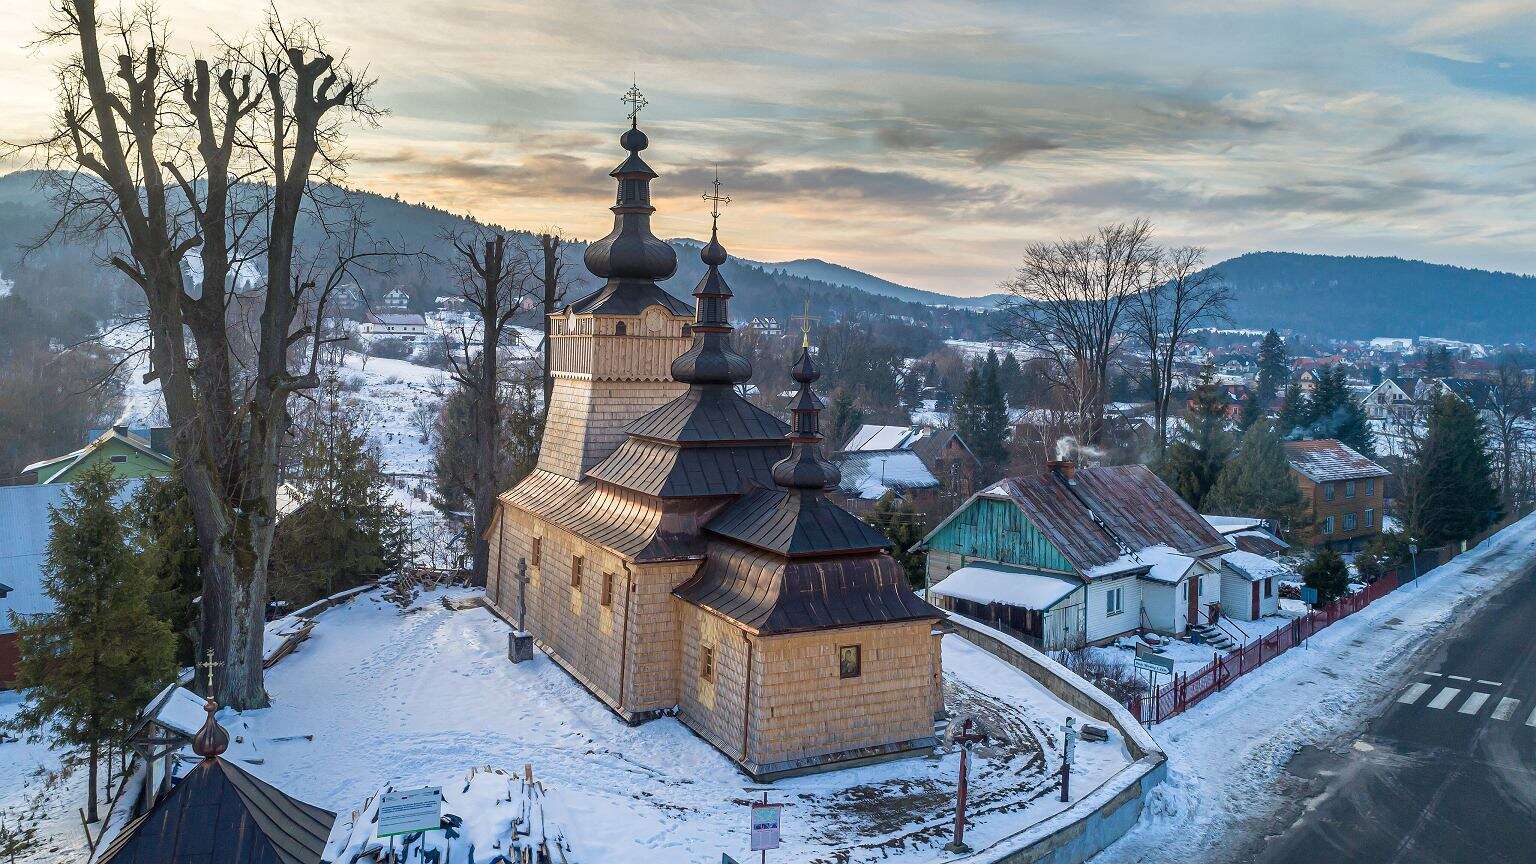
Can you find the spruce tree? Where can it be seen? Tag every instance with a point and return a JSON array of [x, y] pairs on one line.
[[160, 517], [1329, 396], [88, 666], [843, 418], [1253, 410], [1274, 366], [1257, 482], [1449, 488], [1194, 460], [1011, 377], [994, 416], [902, 524], [967, 411], [1293, 411], [1327, 573]]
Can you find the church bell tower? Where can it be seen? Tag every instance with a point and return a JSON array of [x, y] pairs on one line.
[[611, 351]]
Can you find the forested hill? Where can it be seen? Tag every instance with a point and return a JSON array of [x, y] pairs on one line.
[[1349, 297], [68, 274], [837, 274]]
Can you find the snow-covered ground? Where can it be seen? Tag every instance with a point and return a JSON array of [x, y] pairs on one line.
[[1226, 755], [37, 800], [1189, 656], [416, 695]]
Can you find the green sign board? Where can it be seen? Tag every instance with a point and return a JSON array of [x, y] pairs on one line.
[[1151, 661]]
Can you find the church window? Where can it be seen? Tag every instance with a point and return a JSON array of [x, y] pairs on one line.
[[707, 662], [576, 562], [687, 330], [607, 589], [850, 661], [621, 329], [538, 551]]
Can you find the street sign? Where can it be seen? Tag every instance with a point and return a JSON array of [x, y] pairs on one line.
[[1070, 751], [407, 811], [1309, 595], [765, 826], [1149, 661]]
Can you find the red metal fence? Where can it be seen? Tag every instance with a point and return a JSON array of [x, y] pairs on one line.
[[1187, 689]]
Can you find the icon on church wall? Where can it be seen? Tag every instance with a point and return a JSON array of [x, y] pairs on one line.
[[849, 661]]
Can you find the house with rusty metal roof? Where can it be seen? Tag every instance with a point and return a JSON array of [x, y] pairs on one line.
[[1136, 556], [682, 556]]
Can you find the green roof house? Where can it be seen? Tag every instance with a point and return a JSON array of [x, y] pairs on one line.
[[129, 452]]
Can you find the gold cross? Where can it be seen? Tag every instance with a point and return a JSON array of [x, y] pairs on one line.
[[805, 318], [635, 101], [716, 201], [209, 665]]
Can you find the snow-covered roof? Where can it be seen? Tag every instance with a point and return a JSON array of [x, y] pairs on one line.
[[179, 709], [1329, 459], [1232, 524], [1007, 585], [1254, 567], [871, 475], [872, 437], [398, 319], [49, 469], [24, 527]]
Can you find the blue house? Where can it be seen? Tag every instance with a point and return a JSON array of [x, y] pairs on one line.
[[1074, 556]]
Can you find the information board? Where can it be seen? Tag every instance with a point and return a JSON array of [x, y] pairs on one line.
[[407, 811], [765, 826]]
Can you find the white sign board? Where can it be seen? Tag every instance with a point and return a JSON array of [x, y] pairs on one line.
[[765, 826], [1070, 755], [407, 811]]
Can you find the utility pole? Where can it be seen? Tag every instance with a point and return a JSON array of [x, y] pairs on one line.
[[965, 739]]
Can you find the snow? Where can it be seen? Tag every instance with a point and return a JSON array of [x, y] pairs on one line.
[[182, 710], [1002, 585], [878, 438], [1165, 564], [414, 696], [1227, 754], [37, 796], [869, 475], [1227, 524], [1254, 567], [1326, 459]]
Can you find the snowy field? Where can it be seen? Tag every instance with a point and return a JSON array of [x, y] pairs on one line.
[[420, 695], [1227, 755]]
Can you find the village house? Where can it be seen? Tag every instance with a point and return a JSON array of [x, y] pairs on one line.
[[682, 556], [394, 320], [130, 452], [1074, 556], [1344, 493], [919, 465], [1391, 400]]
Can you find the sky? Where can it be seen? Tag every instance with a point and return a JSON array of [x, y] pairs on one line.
[[930, 142]]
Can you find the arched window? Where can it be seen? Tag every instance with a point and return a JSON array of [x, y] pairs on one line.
[[687, 330], [620, 329]]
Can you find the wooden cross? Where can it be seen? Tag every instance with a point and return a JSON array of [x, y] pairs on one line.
[[633, 98], [716, 201], [209, 666]]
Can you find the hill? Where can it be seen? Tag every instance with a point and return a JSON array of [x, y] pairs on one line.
[[837, 274], [1350, 297]]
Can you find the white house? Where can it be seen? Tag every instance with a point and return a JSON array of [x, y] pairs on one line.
[[408, 327]]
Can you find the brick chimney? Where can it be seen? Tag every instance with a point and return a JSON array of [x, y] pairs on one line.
[[1065, 468]]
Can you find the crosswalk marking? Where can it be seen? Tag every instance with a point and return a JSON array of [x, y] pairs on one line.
[[1444, 697], [1436, 674], [1505, 708], [1458, 678], [1413, 693], [1474, 703], [1491, 683], [1531, 721]]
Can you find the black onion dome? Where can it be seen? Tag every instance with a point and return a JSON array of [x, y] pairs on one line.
[[711, 359], [634, 140], [630, 251], [713, 253], [805, 469]]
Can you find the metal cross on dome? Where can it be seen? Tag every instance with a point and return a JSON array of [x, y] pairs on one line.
[[805, 318], [716, 201], [210, 664], [635, 100]]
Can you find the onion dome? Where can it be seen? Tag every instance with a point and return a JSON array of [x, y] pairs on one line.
[[631, 251], [711, 359], [212, 739], [805, 469]]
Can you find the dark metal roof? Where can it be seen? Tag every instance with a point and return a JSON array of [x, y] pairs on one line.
[[633, 525], [769, 594], [219, 813], [709, 414], [670, 471], [929, 447], [1087, 522], [795, 522], [626, 297]]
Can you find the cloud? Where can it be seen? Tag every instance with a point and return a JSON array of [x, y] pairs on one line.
[[1418, 142]]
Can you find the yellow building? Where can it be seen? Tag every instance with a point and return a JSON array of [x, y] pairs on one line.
[[682, 555]]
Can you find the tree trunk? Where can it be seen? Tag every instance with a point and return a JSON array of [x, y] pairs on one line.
[[90, 796], [551, 248]]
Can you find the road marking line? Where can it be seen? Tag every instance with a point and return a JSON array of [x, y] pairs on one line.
[[1444, 697], [1474, 703], [1505, 708], [1436, 674], [1491, 683], [1531, 721], [1458, 678], [1412, 694]]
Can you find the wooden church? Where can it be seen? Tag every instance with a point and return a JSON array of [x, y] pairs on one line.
[[682, 555]]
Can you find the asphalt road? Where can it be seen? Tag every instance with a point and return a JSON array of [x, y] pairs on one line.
[[1446, 774]]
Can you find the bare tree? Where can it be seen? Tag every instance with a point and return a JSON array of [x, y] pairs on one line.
[[495, 280], [163, 155], [1511, 405], [553, 283], [1182, 294], [1069, 301]]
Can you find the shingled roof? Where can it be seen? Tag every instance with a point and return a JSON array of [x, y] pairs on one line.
[[1327, 459], [792, 523], [218, 812]]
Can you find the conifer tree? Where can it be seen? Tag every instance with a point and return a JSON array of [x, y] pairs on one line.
[[994, 414], [1334, 413], [1253, 410], [1194, 460], [1449, 488], [1011, 378], [981, 416], [1327, 573], [88, 666], [1293, 411], [902, 524], [1257, 482], [1274, 366], [160, 517], [843, 418]]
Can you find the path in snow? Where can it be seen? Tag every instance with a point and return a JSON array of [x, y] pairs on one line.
[[1227, 755]]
